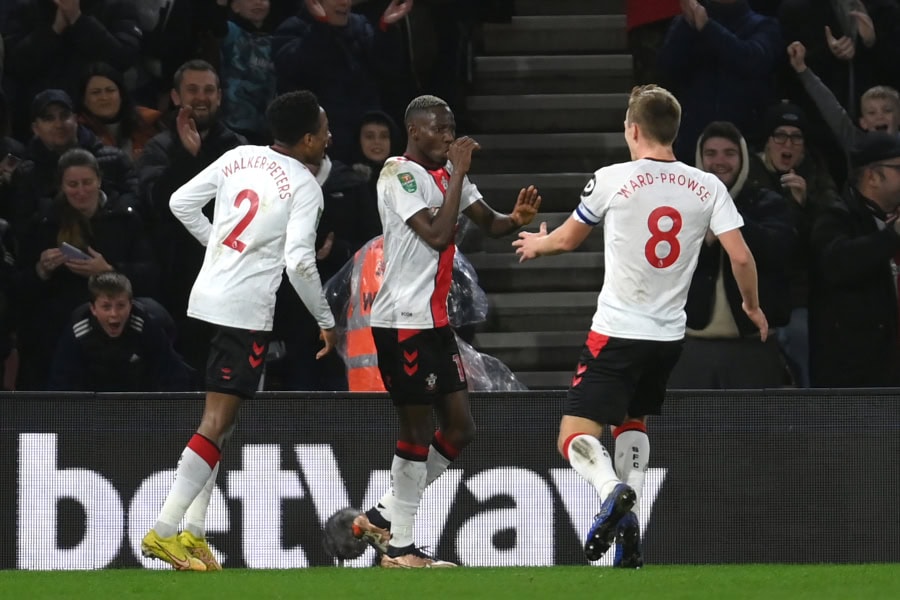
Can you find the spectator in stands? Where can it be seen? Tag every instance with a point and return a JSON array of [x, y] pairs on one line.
[[790, 166], [722, 349], [379, 138], [11, 154], [248, 73], [646, 24], [721, 62], [52, 282], [854, 244], [56, 130], [349, 220], [107, 109], [50, 42], [115, 345], [338, 56], [879, 105], [169, 160]]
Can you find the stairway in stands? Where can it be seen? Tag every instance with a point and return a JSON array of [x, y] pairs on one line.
[[547, 105]]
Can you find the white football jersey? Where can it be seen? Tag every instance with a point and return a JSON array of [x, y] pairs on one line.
[[655, 215], [413, 293], [266, 213]]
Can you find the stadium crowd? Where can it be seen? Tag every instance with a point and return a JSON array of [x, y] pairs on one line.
[[108, 106]]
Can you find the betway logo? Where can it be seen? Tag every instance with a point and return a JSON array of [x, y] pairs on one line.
[[262, 487]]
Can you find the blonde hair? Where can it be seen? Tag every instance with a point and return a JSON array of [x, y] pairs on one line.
[[881, 92], [656, 111]]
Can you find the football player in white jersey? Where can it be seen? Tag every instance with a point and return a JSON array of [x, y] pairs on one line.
[[655, 213], [267, 208], [420, 196]]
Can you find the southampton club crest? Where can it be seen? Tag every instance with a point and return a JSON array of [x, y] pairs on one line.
[[430, 382], [407, 181]]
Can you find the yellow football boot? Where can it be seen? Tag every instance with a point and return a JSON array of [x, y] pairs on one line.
[[171, 551], [199, 549]]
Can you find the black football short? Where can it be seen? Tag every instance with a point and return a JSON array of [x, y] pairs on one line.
[[236, 360], [418, 366], [616, 377]]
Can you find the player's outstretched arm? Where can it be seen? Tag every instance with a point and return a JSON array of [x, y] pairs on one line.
[[744, 268], [564, 238], [496, 224]]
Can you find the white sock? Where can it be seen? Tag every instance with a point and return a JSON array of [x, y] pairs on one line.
[[436, 464], [632, 457], [408, 479], [195, 517], [591, 460], [191, 476]]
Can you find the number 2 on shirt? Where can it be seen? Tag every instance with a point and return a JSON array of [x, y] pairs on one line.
[[658, 236], [232, 240]]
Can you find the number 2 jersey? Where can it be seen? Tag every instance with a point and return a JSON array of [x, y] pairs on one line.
[[417, 278], [655, 215], [267, 208]]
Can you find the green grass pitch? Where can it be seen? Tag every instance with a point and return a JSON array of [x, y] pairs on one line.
[[731, 582]]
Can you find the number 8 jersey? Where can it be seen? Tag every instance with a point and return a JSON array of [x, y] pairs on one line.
[[655, 215], [267, 208]]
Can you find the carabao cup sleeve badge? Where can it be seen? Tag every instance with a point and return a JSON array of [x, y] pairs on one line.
[[407, 181]]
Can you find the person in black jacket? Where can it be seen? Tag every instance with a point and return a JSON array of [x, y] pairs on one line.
[[115, 345], [855, 251], [722, 347], [169, 160], [51, 282]]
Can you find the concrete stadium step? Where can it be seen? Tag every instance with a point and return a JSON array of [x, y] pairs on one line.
[[540, 311], [547, 112], [558, 34], [546, 380], [574, 272], [593, 243], [547, 74], [548, 152], [570, 7], [559, 191], [533, 350]]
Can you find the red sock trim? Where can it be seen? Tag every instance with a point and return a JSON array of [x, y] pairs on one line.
[[205, 449], [411, 451], [568, 441], [441, 444], [629, 426]]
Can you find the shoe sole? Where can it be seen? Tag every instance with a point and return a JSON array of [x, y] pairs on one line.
[[388, 562], [600, 539]]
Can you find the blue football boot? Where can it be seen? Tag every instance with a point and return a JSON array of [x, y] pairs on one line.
[[628, 543], [603, 532]]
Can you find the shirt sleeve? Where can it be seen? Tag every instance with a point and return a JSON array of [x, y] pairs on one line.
[[725, 215], [469, 194], [403, 194], [187, 202], [300, 250], [595, 199]]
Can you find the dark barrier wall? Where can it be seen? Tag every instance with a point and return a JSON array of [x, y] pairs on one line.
[[784, 476]]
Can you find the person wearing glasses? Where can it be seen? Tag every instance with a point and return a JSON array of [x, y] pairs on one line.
[[788, 165], [855, 244]]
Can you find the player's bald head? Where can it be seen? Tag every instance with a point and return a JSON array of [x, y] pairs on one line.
[[423, 106]]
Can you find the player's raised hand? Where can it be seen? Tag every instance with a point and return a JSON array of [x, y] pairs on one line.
[[797, 55], [460, 153], [396, 10], [758, 318], [330, 338], [527, 205], [187, 130], [527, 244]]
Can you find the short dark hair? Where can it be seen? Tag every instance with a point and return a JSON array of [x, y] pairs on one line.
[[193, 65], [721, 129], [293, 115], [110, 283], [422, 104], [77, 157], [656, 111]]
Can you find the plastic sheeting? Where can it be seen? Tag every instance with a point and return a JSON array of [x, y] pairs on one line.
[[350, 293]]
